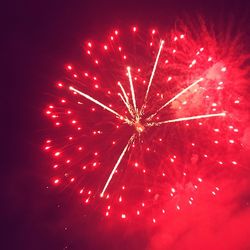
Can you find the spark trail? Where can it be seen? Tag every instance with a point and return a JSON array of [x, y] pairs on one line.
[[175, 97], [117, 164], [186, 119]]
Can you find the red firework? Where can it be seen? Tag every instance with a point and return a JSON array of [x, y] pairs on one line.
[[147, 124]]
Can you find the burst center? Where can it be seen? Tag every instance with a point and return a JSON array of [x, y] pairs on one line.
[[139, 127]]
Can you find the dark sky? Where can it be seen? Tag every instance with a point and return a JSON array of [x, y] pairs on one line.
[[39, 37]]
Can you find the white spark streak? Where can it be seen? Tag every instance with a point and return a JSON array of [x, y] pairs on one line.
[[124, 92], [126, 104], [132, 89], [186, 119], [126, 100], [116, 165], [153, 71], [175, 97], [97, 102]]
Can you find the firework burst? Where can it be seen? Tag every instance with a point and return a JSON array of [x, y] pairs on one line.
[[149, 121]]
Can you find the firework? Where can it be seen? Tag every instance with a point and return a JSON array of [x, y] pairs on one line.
[[149, 121]]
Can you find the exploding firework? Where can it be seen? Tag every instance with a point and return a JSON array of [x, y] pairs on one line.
[[149, 121]]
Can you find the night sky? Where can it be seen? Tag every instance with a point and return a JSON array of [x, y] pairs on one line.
[[40, 37]]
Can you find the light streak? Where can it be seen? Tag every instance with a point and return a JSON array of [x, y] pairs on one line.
[[126, 100], [126, 104], [124, 92], [97, 102], [175, 97], [153, 71], [186, 119], [132, 89], [117, 164]]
